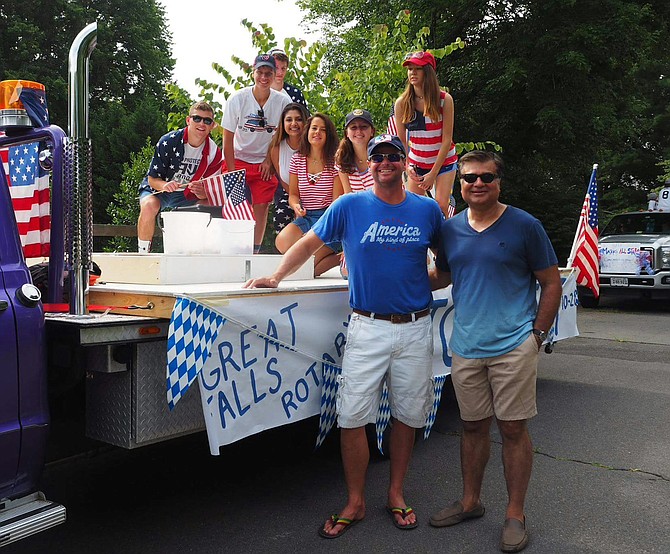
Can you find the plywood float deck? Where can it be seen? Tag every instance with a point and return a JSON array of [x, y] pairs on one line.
[[162, 297]]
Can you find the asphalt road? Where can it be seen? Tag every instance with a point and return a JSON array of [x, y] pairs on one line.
[[601, 477]]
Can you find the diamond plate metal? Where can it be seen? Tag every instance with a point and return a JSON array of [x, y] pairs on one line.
[[129, 409]]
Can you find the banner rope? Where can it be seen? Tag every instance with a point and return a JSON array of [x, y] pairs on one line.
[[261, 334]]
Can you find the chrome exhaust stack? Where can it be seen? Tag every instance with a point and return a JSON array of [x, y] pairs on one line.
[[78, 197]]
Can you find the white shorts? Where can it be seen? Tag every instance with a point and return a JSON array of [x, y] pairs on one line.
[[400, 354]]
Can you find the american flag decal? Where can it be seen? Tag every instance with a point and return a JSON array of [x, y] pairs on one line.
[[29, 188]]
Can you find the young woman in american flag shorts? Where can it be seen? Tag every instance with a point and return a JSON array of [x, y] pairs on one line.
[[426, 113]]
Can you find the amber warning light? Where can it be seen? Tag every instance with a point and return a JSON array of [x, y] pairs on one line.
[[13, 113]]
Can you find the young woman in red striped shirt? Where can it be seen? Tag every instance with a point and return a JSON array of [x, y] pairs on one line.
[[424, 114], [313, 185]]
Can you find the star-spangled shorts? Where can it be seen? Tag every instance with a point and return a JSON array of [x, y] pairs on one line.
[[283, 213], [400, 354]]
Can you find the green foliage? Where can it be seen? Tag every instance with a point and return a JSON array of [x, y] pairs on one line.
[[372, 78], [125, 208], [558, 84], [128, 71]]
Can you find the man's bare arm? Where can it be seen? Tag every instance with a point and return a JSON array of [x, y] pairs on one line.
[[550, 297], [438, 278], [294, 257]]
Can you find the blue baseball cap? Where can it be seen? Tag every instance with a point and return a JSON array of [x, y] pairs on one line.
[[265, 60], [385, 139]]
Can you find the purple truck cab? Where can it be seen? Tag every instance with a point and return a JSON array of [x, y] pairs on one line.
[[24, 413]]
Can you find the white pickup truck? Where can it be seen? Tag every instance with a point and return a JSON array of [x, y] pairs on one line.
[[634, 253]]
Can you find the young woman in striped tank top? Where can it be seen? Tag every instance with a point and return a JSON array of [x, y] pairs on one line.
[[425, 114], [313, 185], [351, 160]]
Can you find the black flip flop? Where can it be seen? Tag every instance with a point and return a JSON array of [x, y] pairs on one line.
[[403, 513]]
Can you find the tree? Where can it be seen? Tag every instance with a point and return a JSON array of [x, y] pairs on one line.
[[129, 70], [559, 84]]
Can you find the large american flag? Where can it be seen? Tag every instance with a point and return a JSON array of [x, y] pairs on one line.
[[230, 191], [29, 189], [586, 253]]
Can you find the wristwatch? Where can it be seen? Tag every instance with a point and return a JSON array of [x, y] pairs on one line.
[[541, 334]]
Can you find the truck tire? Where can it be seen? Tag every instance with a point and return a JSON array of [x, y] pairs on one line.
[[586, 298]]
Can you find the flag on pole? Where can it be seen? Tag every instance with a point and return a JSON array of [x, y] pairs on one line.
[[230, 191], [29, 188], [392, 127], [451, 210], [585, 257]]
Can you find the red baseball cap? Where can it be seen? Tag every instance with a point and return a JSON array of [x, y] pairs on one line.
[[420, 58]]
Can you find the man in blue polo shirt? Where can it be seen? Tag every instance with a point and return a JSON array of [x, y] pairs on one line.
[[494, 253], [386, 232]]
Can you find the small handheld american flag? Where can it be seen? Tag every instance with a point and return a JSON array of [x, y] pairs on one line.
[[230, 191]]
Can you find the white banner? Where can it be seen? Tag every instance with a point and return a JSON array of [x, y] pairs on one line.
[[624, 258], [266, 368], [272, 361]]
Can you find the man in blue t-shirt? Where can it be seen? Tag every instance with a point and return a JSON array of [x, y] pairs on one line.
[[386, 233], [493, 254]]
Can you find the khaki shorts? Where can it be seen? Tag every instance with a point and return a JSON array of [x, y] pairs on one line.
[[503, 386]]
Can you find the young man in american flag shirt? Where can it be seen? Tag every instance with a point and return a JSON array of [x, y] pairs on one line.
[[181, 159]]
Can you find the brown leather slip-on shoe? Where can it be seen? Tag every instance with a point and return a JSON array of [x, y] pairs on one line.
[[451, 515], [514, 535]]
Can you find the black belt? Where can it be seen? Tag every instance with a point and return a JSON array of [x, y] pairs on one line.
[[395, 318]]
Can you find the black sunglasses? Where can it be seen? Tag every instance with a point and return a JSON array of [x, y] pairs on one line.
[[205, 120], [379, 158], [485, 177], [261, 114]]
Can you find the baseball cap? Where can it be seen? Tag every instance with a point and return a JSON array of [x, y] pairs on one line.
[[420, 58], [265, 59], [358, 114], [385, 139]]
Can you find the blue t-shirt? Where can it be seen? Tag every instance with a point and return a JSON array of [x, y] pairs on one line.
[[386, 247], [493, 281]]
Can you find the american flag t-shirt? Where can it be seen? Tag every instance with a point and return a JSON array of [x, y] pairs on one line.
[[29, 189]]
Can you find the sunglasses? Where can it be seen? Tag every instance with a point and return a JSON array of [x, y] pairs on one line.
[[420, 54], [261, 114], [485, 177], [379, 158], [205, 120]]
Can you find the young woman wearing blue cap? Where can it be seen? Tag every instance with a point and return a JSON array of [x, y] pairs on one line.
[[351, 159], [424, 113]]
